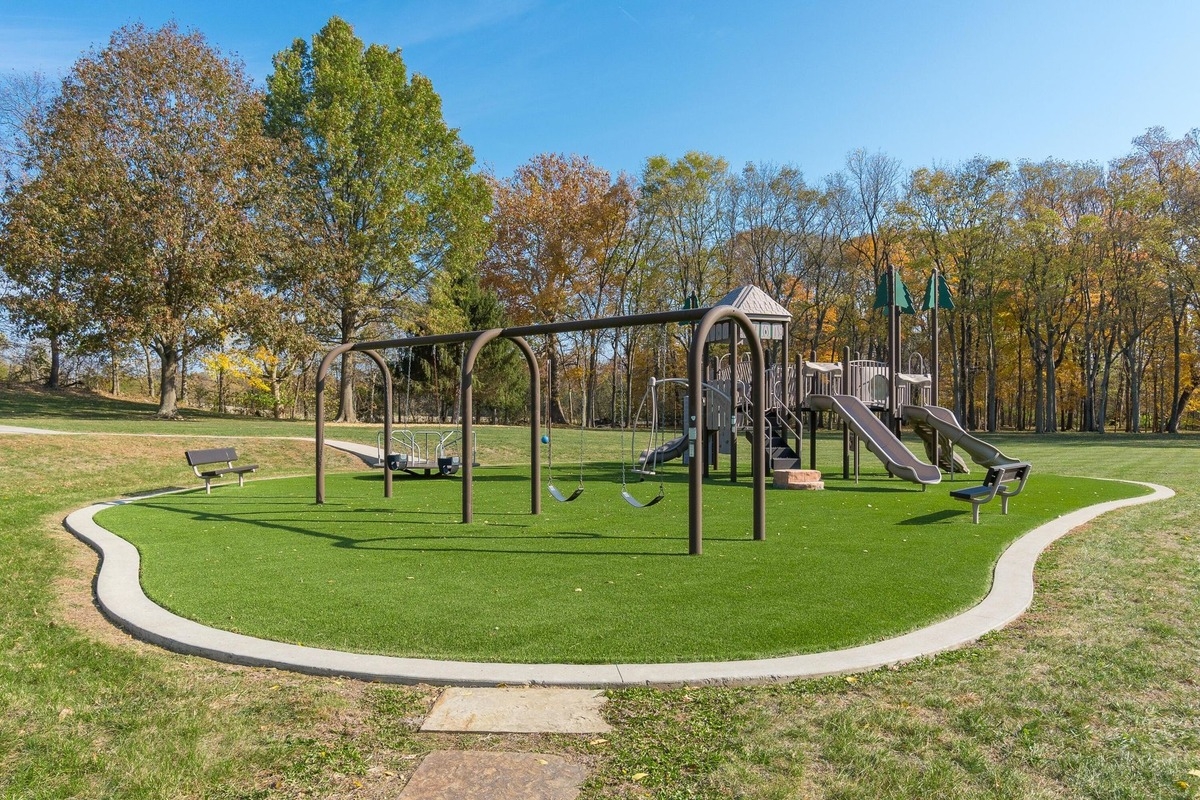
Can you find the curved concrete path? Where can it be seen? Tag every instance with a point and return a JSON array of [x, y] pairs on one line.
[[120, 596]]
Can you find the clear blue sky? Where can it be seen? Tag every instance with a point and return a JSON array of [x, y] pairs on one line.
[[801, 82]]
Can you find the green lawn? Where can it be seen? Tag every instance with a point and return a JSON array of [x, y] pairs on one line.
[[593, 581], [1091, 694]]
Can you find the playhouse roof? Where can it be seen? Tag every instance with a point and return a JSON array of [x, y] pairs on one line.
[[756, 304]]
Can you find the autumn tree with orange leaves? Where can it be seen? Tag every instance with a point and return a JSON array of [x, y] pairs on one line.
[[557, 223]]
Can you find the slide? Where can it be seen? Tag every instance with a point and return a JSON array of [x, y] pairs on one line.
[[944, 422], [664, 452], [897, 458]]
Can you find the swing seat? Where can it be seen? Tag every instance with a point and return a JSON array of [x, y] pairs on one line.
[[557, 494], [633, 501]]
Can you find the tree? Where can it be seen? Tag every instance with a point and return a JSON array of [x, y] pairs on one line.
[[149, 172], [24, 98], [558, 222], [386, 188], [35, 298], [689, 199], [958, 221]]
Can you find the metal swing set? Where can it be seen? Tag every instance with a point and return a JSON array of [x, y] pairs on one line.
[[703, 320]]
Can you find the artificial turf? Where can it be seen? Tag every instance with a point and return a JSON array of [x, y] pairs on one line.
[[593, 581]]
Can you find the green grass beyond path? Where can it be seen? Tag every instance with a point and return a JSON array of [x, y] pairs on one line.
[[593, 581]]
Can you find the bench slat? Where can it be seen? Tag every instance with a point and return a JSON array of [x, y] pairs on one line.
[[213, 455]]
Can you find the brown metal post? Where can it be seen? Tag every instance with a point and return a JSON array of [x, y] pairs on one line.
[[933, 369], [733, 403], [845, 427], [387, 418], [322, 373], [535, 424], [695, 421], [468, 419], [798, 380]]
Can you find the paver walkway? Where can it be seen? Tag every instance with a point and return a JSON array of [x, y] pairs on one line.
[[469, 775], [500, 775], [518, 710]]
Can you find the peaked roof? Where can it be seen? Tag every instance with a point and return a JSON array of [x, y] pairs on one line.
[[756, 304]]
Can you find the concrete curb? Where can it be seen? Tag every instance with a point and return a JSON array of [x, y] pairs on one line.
[[119, 595]]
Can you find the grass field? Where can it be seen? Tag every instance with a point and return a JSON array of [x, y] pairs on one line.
[[1091, 694], [593, 581]]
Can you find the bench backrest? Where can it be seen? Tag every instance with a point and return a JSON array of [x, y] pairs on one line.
[[217, 454], [1006, 472]]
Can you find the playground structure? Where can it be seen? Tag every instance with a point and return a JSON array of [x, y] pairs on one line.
[[873, 399], [756, 393]]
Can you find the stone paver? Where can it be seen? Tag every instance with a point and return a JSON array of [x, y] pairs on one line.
[[467, 775], [518, 710]]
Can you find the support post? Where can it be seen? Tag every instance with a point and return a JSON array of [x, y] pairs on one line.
[[387, 418], [933, 370], [695, 431], [733, 403], [322, 374], [467, 393]]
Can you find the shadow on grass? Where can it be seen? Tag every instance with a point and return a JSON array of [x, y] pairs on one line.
[[936, 516], [861, 489], [419, 540], [82, 405]]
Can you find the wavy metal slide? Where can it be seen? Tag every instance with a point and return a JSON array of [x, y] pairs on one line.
[[664, 452], [897, 459], [944, 422]]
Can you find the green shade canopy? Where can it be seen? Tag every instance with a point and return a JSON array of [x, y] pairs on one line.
[[939, 294], [883, 297]]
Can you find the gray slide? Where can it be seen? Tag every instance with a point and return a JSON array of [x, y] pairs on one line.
[[944, 422], [664, 452], [897, 458]]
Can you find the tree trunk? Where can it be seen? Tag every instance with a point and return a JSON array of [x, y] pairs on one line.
[[1177, 393], [114, 375], [557, 416], [183, 371], [53, 379], [168, 382], [1050, 418], [149, 371], [276, 393], [1132, 365], [346, 411]]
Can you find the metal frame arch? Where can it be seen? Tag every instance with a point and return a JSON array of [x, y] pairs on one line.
[[696, 423], [322, 374], [468, 419]]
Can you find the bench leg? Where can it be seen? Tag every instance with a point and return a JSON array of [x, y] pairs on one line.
[[1004, 505], [208, 485], [240, 482], [975, 513]]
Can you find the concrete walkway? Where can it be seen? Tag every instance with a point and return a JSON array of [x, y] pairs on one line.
[[120, 596]]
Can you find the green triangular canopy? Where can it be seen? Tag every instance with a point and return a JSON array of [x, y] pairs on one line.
[[939, 294], [883, 297]]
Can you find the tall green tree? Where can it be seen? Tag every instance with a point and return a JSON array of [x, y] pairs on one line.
[[386, 187], [689, 199], [149, 173]]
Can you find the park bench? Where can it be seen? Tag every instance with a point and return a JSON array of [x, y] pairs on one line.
[[997, 483], [217, 455]]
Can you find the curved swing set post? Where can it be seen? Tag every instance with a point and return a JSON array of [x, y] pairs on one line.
[[554, 491]]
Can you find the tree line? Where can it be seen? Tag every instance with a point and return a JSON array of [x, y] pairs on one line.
[[156, 202]]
